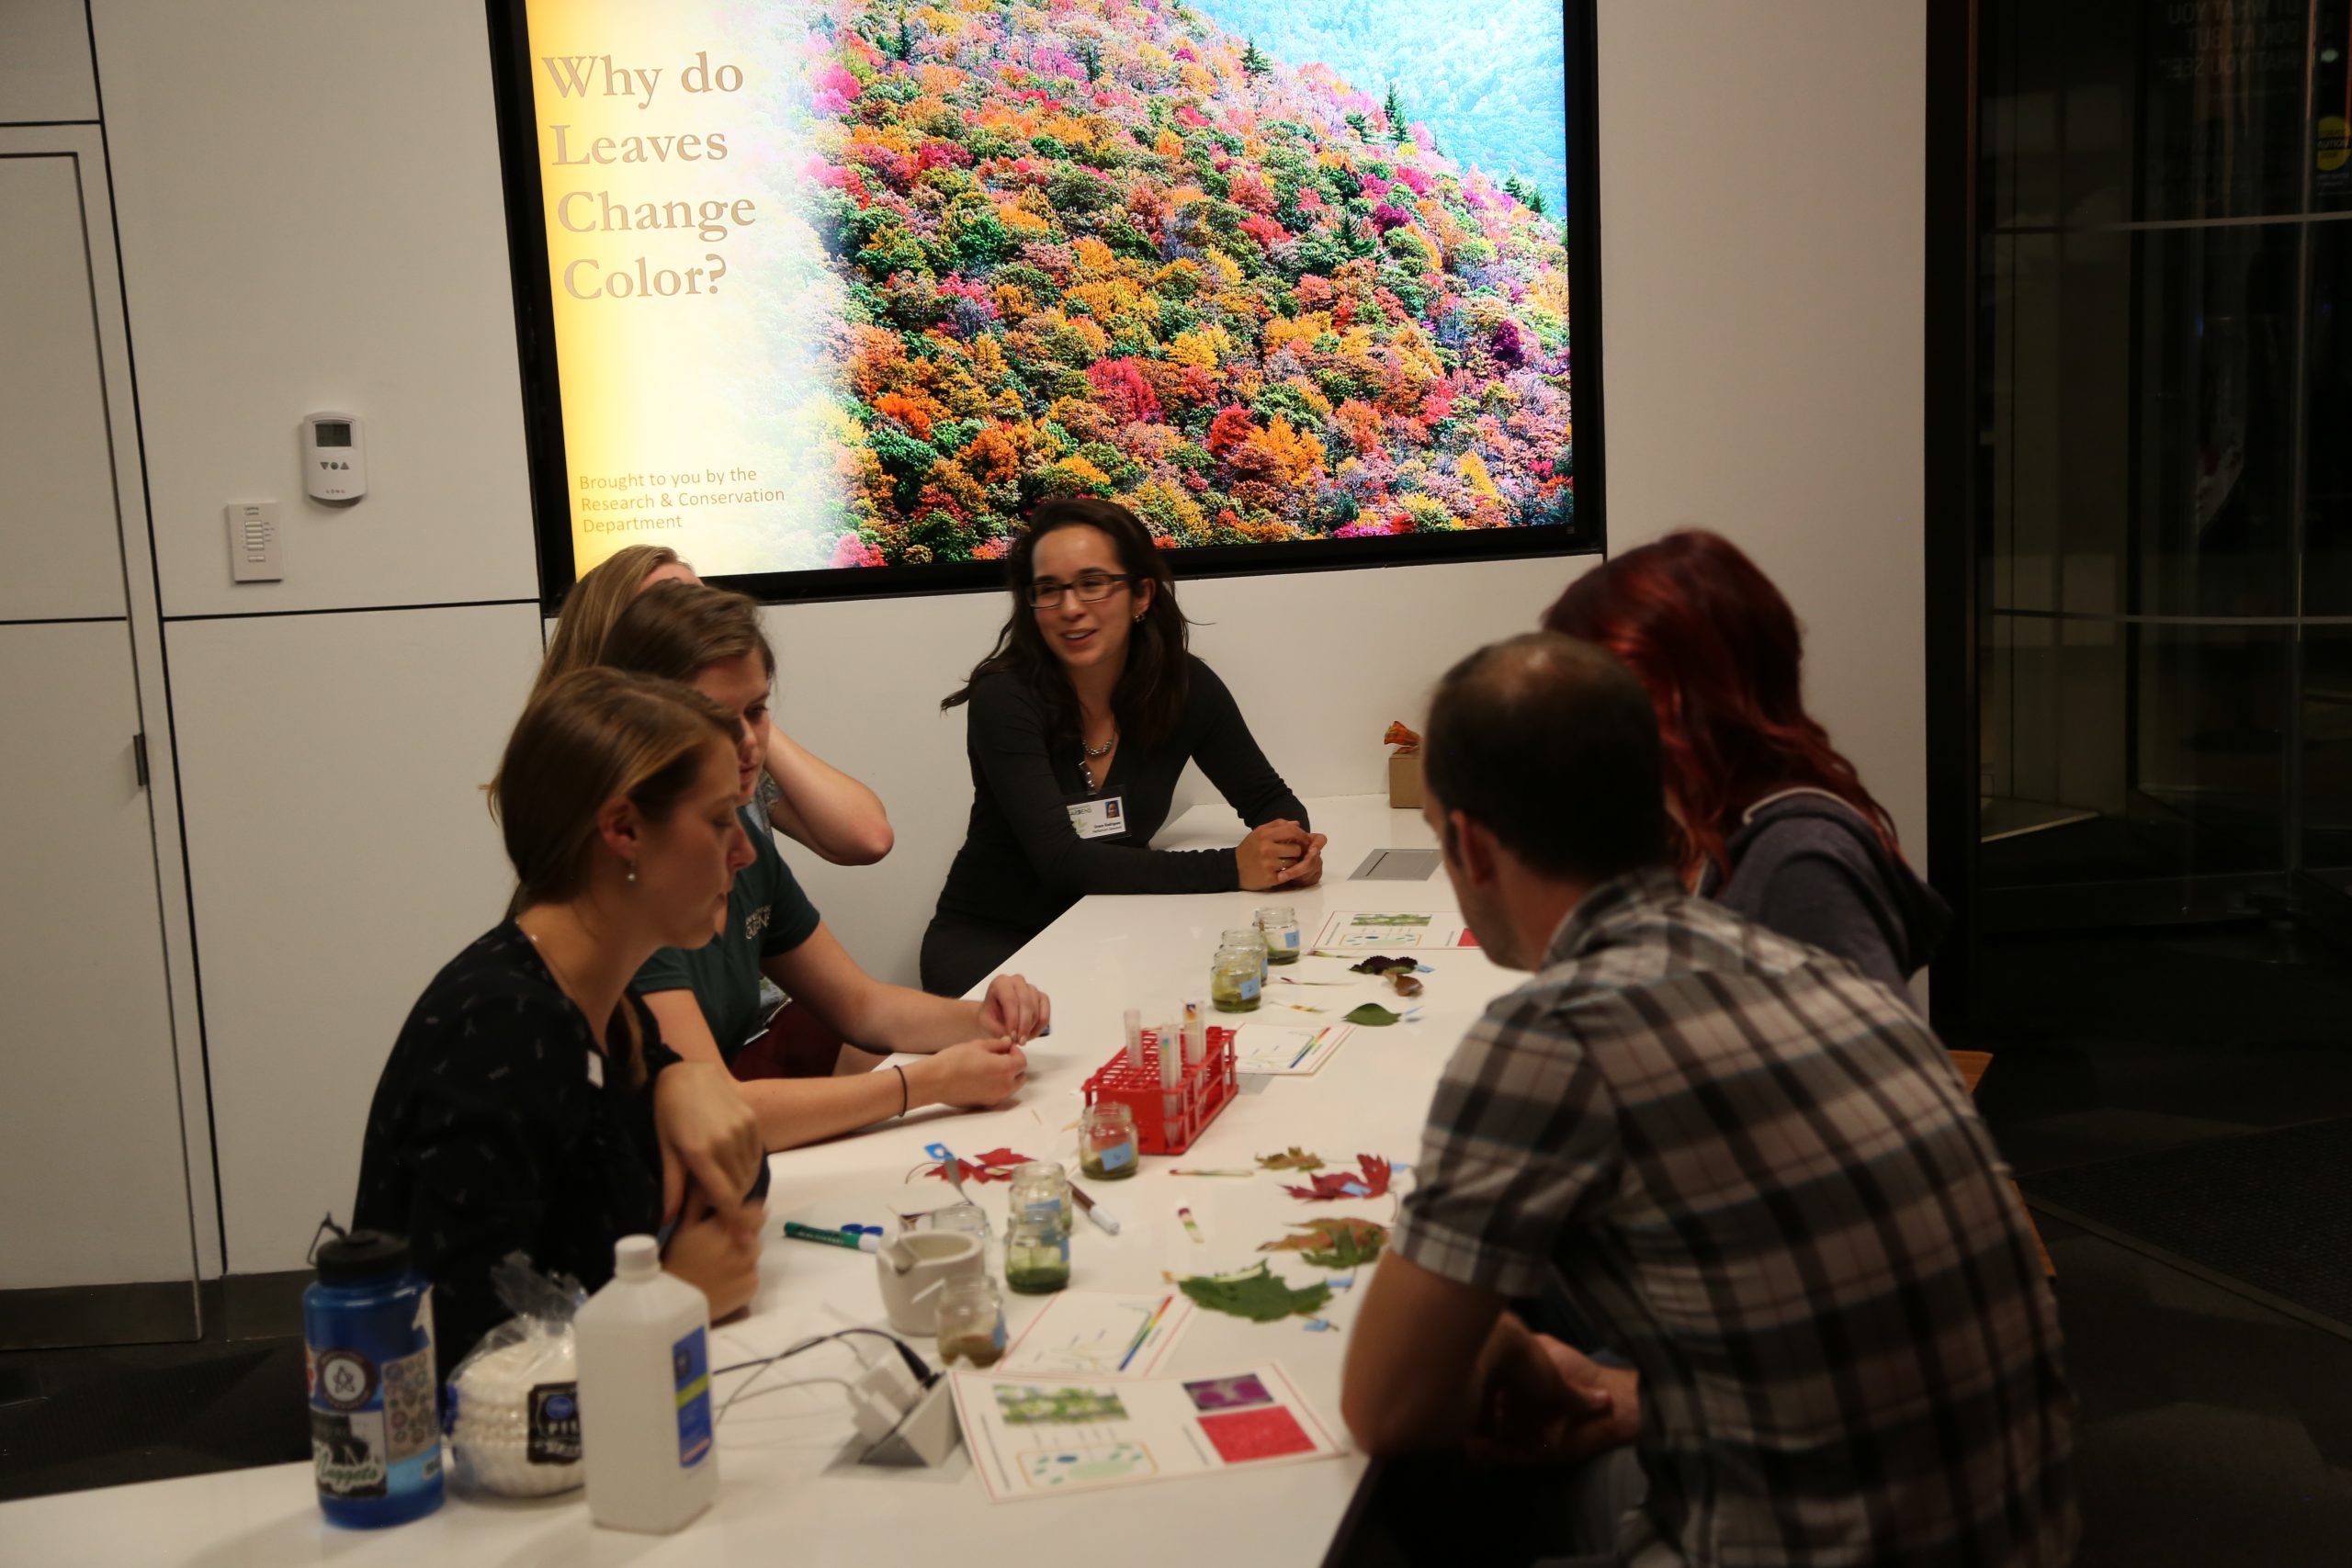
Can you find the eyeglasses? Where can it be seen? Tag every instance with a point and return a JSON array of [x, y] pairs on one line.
[[1092, 588]]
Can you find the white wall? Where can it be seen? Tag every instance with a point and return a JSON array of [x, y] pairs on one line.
[[1762, 220], [310, 216], [341, 853], [1761, 205], [45, 62]]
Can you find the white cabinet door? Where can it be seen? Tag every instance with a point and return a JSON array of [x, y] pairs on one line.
[[90, 1155], [96, 1158], [57, 529]]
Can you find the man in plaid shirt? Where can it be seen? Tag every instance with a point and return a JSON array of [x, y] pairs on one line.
[[1752, 1170]]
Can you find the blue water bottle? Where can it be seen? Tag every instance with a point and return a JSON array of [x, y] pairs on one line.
[[367, 1345]]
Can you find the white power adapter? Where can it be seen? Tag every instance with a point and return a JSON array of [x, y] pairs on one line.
[[882, 1396]]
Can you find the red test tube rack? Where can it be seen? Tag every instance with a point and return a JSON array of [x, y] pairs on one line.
[[1200, 1093]]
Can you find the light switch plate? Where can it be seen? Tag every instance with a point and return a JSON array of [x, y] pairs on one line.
[[254, 552]]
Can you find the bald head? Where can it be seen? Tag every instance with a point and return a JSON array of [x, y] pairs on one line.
[[1552, 746]]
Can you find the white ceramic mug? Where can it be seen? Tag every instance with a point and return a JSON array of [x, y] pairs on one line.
[[913, 1268]]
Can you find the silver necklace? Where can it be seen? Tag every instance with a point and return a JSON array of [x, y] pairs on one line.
[[1087, 773]]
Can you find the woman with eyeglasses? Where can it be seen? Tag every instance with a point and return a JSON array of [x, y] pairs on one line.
[[1079, 723]]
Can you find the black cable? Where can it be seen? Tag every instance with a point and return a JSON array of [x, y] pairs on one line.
[[915, 1364]]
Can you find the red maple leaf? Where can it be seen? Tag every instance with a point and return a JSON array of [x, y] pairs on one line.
[[997, 1165], [1369, 1180]]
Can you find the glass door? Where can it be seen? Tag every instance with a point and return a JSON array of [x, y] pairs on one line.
[[2163, 484]]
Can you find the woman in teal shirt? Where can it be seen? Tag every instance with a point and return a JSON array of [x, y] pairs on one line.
[[707, 1000]]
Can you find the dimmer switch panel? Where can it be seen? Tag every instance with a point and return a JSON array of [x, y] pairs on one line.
[[253, 553]]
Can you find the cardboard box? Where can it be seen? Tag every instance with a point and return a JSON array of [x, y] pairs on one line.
[[1405, 780]]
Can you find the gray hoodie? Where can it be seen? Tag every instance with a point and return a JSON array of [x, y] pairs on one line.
[[1807, 866]]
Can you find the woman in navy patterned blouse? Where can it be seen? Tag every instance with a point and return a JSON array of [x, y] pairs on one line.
[[530, 1103]]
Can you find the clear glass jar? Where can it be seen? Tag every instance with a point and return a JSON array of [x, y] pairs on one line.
[[1042, 1188], [1236, 976], [1278, 926], [971, 1321], [1249, 939], [1036, 1255], [1106, 1143]]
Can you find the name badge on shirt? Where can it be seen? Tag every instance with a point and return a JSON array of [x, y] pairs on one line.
[[1105, 819]]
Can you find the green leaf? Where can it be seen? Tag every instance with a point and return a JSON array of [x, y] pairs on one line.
[[1259, 1294], [1291, 1159], [1372, 1015]]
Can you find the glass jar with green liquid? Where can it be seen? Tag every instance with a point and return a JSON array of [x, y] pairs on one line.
[[1237, 975]]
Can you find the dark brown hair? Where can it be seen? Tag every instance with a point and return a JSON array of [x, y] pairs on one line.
[[592, 737], [1149, 698]]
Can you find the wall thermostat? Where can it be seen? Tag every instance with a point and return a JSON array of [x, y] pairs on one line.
[[335, 457]]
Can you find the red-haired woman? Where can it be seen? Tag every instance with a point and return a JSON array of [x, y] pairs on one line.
[[1766, 816]]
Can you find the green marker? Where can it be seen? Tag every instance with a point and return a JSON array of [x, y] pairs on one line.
[[861, 1242]]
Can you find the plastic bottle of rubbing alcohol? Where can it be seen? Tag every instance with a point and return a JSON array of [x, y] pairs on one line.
[[645, 1423]]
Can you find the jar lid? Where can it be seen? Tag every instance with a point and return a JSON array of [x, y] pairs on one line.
[[362, 1254]]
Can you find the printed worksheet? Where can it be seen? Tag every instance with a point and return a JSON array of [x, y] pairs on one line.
[[1270, 1048], [1100, 1334], [1037, 1435], [1363, 931]]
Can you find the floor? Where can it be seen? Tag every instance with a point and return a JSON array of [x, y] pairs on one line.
[[2213, 1431]]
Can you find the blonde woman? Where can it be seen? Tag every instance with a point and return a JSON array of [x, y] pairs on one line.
[[529, 1102], [807, 799]]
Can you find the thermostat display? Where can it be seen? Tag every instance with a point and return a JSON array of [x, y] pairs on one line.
[[335, 457]]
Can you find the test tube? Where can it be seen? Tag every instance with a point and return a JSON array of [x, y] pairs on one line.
[[1170, 1076], [1133, 1020], [1197, 1034]]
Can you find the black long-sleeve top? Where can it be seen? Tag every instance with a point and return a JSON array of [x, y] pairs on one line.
[[498, 1127], [1022, 864]]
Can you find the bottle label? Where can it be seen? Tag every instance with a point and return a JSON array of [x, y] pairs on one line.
[[1290, 937], [554, 1437], [1118, 1156], [347, 1451], [1249, 990], [690, 1368]]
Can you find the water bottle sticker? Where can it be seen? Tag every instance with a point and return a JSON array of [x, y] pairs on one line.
[[410, 1425], [690, 1369], [555, 1423], [1118, 1156], [346, 1380], [347, 1451]]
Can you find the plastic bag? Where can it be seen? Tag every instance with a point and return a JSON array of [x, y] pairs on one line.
[[513, 1416]]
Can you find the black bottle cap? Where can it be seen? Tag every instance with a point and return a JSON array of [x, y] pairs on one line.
[[362, 1254]]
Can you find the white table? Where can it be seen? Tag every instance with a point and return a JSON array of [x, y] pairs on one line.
[[788, 1490]]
